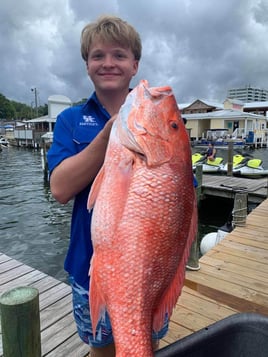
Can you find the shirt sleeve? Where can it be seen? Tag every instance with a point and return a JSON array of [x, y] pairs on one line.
[[63, 145]]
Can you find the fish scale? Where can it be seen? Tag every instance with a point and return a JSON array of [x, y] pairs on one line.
[[144, 219]]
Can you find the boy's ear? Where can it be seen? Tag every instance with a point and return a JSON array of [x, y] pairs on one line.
[[135, 67]]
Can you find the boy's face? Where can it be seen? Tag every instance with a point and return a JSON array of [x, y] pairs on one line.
[[111, 66]]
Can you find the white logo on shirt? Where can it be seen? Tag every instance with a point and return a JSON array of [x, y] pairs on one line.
[[88, 120]]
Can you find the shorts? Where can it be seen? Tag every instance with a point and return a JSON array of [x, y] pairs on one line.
[[104, 334]]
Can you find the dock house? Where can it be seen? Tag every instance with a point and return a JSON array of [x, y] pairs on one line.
[[30, 133]]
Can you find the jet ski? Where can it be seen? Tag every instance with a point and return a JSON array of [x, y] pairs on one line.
[[213, 166], [252, 168], [197, 159], [239, 160], [208, 166]]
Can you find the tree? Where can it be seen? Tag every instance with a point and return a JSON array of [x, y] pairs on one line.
[[12, 110], [7, 110]]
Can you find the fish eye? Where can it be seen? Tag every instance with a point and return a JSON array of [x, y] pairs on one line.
[[174, 125]]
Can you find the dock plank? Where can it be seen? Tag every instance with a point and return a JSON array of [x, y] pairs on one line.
[[58, 333]]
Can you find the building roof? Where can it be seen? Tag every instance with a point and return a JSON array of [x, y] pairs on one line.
[[256, 104], [58, 98], [209, 103], [235, 101], [224, 114], [43, 119]]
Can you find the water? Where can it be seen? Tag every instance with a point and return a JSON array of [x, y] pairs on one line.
[[34, 228]]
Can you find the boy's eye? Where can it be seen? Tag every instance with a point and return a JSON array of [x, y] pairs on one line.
[[97, 56], [120, 55]]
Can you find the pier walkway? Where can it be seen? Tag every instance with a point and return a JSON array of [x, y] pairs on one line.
[[233, 278], [226, 186]]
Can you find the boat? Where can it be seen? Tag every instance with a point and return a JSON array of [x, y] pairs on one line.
[[247, 167], [213, 166], [252, 168], [197, 159], [4, 142], [220, 143], [239, 160], [208, 166]]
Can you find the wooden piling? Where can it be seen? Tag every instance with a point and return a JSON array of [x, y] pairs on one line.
[[240, 209], [20, 322], [193, 261], [44, 161], [230, 159]]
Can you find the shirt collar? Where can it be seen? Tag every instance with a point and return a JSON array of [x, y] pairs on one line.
[[94, 99]]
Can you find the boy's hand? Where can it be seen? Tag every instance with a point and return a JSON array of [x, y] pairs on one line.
[[108, 126]]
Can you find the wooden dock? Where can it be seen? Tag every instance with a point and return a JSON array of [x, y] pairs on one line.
[[226, 186], [233, 278], [58, 329]]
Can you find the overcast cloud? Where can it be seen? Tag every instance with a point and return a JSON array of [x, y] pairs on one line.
[[200, 48]]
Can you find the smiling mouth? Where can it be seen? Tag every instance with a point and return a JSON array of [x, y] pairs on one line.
[[108, 74]]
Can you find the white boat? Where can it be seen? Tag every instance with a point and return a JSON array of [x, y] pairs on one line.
[[197, 159], [213, 166], [252, 168], [208, 166], [4, 142], [245, 166], [238, 161]]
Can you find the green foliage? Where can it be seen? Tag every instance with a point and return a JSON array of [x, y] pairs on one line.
[[7, 109], [11, 110]]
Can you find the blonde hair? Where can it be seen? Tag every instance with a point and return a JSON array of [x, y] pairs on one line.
[[111, 29]]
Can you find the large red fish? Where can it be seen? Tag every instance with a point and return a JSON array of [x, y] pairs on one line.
[[144, 219]]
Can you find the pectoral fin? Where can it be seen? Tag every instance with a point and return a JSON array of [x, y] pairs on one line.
[[95, 188]]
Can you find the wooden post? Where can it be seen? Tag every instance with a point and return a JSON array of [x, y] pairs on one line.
[[193, 261], [20, 322], [44, 161], [240, 209], [230, 159]]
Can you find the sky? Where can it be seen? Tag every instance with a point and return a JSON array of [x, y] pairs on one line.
[[200, 48]]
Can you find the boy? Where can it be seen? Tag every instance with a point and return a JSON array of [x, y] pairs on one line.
[[111, 49]]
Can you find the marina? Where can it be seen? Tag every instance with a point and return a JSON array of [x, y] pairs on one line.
[[232, 279], [33, 255]]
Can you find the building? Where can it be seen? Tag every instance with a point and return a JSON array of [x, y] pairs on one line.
[[214, 121], [260, 108], [248, 94], [32, 132]]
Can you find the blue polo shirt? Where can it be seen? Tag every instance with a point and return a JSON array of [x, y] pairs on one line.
[[75, 128]]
